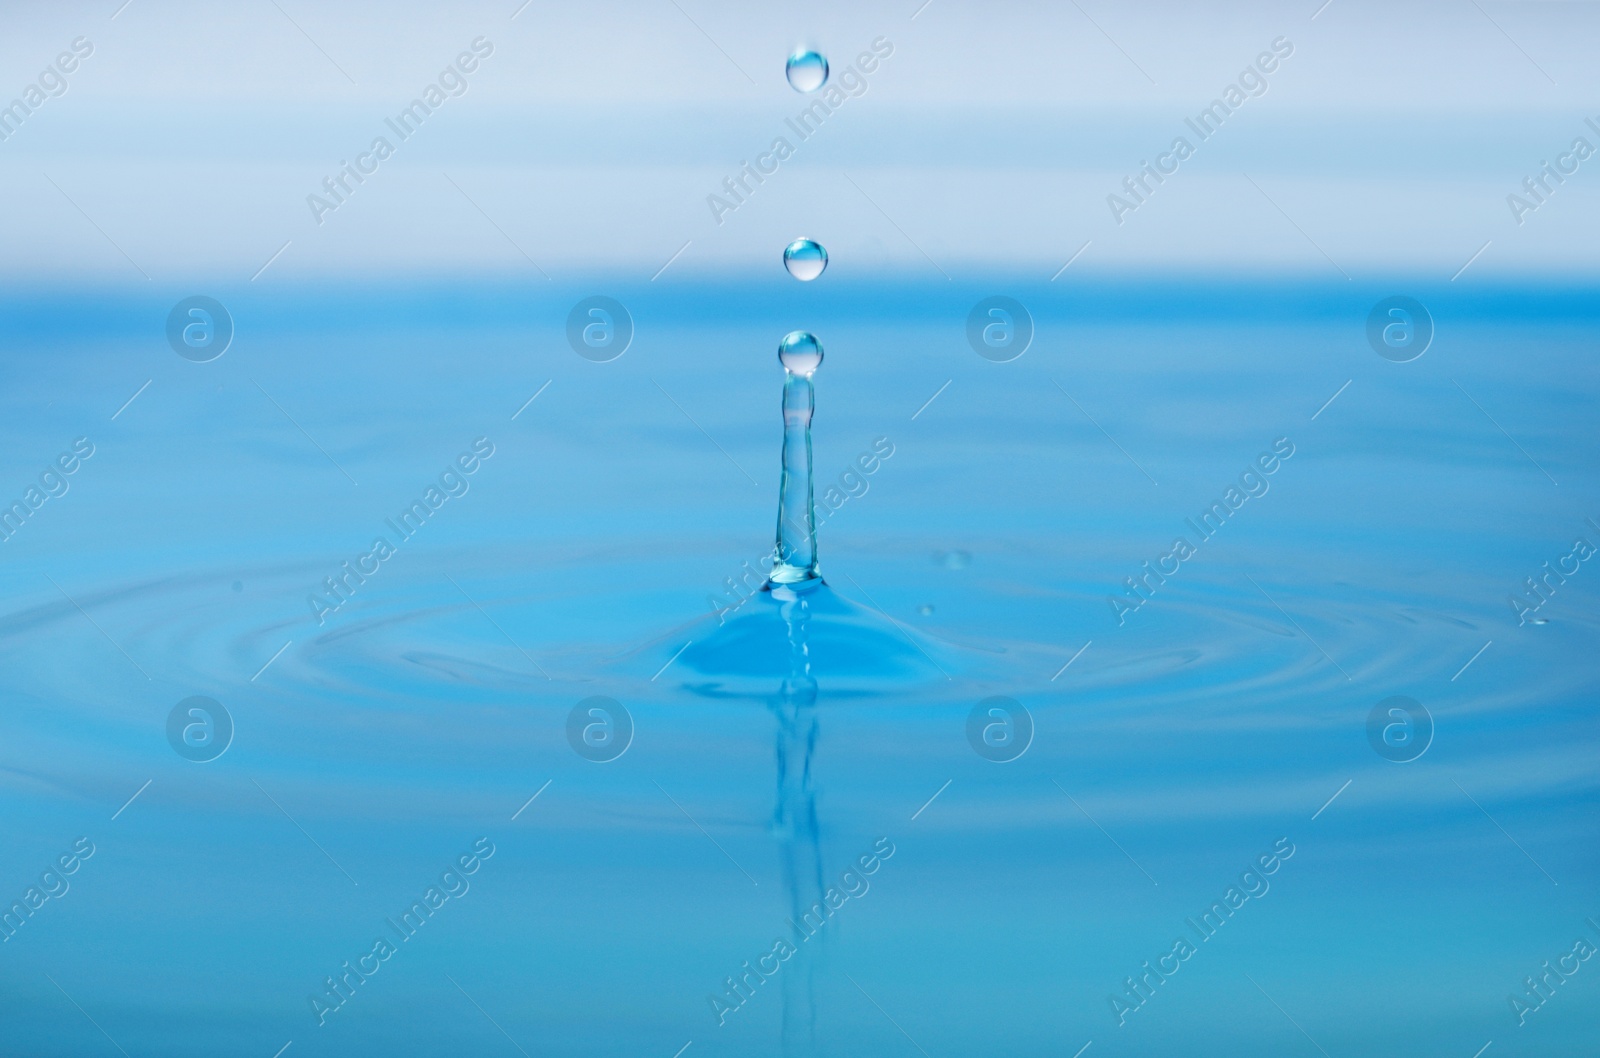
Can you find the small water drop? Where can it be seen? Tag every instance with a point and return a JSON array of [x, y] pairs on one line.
[[925, 610], [1539, 621], [954, 559], [805, 259], [807, 70], [800, 353]]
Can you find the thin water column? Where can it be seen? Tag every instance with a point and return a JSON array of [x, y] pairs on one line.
[[794, 566]]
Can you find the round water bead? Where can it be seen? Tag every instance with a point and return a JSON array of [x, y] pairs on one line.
[[805, 259], [800, 353], [807, 70]]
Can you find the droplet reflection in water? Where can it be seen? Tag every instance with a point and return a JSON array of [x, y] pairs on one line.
[[800, 353], [807, 70], [805, 259]]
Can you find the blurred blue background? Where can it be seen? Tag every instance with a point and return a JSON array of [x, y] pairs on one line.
[[599, 550]]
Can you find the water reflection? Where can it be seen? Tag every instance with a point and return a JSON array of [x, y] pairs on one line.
[[794, 816]]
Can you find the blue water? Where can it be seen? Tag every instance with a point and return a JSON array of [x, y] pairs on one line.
[[773, 748]]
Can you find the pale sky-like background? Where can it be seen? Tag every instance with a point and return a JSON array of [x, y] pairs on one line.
[[186, 145]]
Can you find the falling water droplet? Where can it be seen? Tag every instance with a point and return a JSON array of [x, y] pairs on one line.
[[805, 259], [800, 353], [807, 70]]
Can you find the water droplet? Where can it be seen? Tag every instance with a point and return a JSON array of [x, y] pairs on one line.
[[954, 559], [800, 353], [925, 609], [1539, 621], [807, 71], [805, 259]]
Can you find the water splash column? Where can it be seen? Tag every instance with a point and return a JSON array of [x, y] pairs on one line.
[[794, 565]]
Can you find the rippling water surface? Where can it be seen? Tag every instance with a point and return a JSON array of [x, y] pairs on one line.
[[805, 846]]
